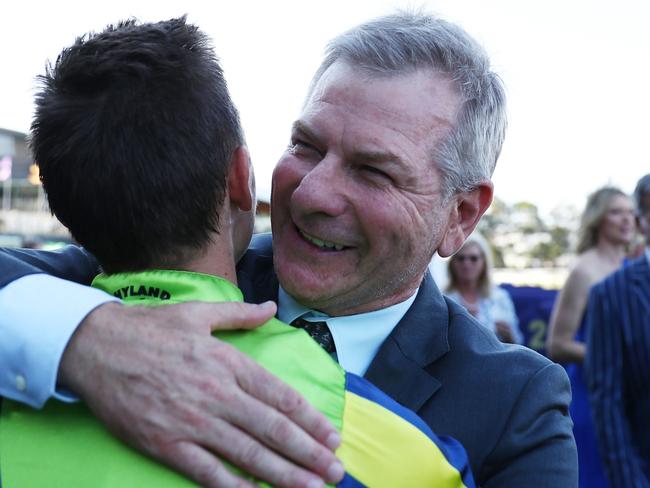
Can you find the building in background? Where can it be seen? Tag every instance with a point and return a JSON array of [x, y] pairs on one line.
[[14, 154], [25, 219]]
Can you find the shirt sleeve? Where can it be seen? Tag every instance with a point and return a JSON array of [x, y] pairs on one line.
[[39, 314]]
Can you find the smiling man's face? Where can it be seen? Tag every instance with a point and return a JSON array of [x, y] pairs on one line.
[[357, 210]]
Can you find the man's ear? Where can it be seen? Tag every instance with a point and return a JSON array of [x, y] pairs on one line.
[[240, 178], [467, 209]]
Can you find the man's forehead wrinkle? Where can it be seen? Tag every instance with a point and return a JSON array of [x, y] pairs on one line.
[[400, 121], [375, 156], [375, 147], [403, 124], [403, 116], [419, 129]]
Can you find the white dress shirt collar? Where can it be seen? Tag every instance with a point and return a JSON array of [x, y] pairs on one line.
[[357, 337]]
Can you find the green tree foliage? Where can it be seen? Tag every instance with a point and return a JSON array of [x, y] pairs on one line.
[[519, 234]]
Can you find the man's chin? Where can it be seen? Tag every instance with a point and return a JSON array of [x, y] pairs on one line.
[[306, 293], [307, 290]]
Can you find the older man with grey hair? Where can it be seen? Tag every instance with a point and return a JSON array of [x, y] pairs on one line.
[[389, 162]]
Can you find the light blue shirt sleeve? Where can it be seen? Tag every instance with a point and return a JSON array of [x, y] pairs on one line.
[[38, 315]]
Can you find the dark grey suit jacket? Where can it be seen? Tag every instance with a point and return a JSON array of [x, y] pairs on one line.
[[507, 405]]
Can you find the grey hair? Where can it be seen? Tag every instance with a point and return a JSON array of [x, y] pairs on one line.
[[642, 189], [409, 41]]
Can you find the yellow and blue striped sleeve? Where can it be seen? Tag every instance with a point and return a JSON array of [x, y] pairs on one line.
[[385, 444]]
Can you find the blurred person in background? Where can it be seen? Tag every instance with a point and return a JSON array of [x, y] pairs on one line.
[[470, 284], [617, 365], [606, 231]]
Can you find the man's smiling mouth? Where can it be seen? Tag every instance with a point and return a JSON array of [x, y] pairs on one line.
[[320, 242]]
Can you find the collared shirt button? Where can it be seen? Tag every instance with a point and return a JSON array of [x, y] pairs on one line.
[[21, 382]]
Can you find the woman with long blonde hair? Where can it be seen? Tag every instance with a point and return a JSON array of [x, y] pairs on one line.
[[606, 231]]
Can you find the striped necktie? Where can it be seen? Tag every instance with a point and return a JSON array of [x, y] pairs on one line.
[[318, 331]]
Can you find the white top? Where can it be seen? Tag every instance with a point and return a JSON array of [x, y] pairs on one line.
[[498, 307], [357, 337]]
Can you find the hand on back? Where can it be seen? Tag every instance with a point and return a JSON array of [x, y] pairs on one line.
[[161, 383]]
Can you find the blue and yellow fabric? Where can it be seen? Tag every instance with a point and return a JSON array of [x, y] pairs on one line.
[[383, 444]]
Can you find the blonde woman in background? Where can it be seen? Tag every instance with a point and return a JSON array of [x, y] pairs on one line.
[[606, 230], [470, 284]]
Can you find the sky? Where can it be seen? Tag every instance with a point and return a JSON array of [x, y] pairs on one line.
[[577, 75]]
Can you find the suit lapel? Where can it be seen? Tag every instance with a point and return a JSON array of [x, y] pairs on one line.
[[418, 340]]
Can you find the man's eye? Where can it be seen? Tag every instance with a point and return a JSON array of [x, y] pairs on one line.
[[374, 171]]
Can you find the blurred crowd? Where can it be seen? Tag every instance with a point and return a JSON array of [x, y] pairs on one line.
[[598, 329]]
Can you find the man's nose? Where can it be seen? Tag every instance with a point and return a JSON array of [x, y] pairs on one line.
[[323, 188]]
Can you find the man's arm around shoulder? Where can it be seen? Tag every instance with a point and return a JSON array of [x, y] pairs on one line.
[[38, 315], [70, 263], [259, 423]]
